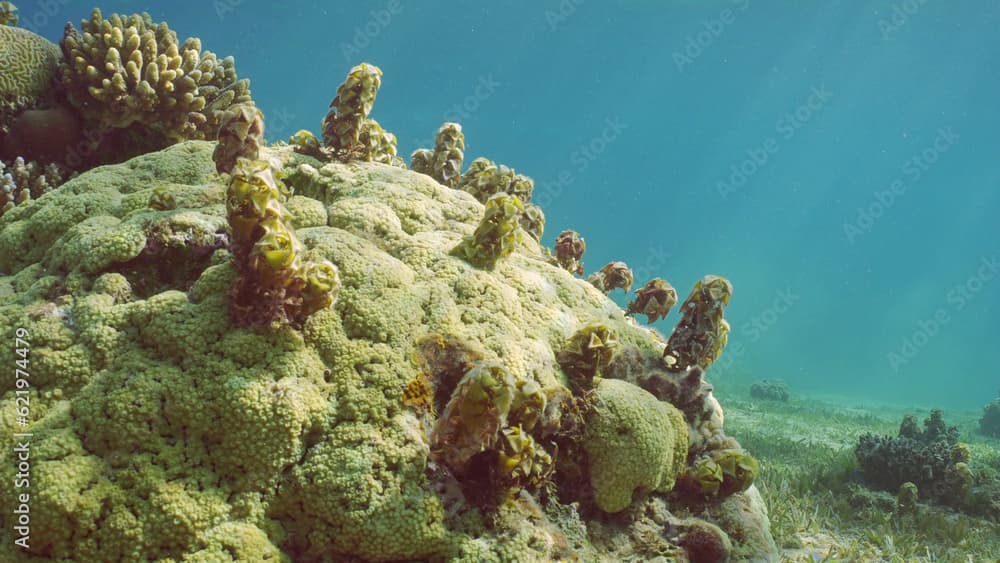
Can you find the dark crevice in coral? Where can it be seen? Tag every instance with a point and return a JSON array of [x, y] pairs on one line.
[[160, 268]]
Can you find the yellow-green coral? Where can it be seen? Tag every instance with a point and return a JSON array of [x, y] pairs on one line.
[[29, 65], [128, 70], [633, 442], [163, 431]]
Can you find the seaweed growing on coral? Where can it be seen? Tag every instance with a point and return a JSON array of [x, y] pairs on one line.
[[586, 354], [614, 275], [277, 284], [497, 235], [702, 333], [570, 247], [655, 299], [449, 149]]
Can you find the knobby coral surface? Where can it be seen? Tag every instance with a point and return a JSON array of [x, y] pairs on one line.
[[164, 430]]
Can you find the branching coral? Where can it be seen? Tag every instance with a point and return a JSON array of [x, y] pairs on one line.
[[129, 72], [22, 182], [702, 333], [654, 300]]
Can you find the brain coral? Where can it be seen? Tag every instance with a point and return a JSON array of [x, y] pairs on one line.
[[29, 63], [161, 431], [634, 441]]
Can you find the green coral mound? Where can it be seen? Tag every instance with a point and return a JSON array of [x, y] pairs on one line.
[[634, 442], [162, 430]]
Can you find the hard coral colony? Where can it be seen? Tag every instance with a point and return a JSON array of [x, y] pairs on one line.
[[305, 352]]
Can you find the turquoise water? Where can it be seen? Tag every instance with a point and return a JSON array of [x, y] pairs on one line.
[[837, 161]]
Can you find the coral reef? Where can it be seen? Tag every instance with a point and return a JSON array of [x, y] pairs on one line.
[[655, 299], [702, 333], [21, 182], [932, 459], [989, 423], [614, 275], [129, 73], [208, 385], [770, 390]]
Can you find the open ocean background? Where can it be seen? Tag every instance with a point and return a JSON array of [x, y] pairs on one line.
[[839, 162]]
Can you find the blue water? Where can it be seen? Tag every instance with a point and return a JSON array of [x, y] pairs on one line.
[[837, 161]]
